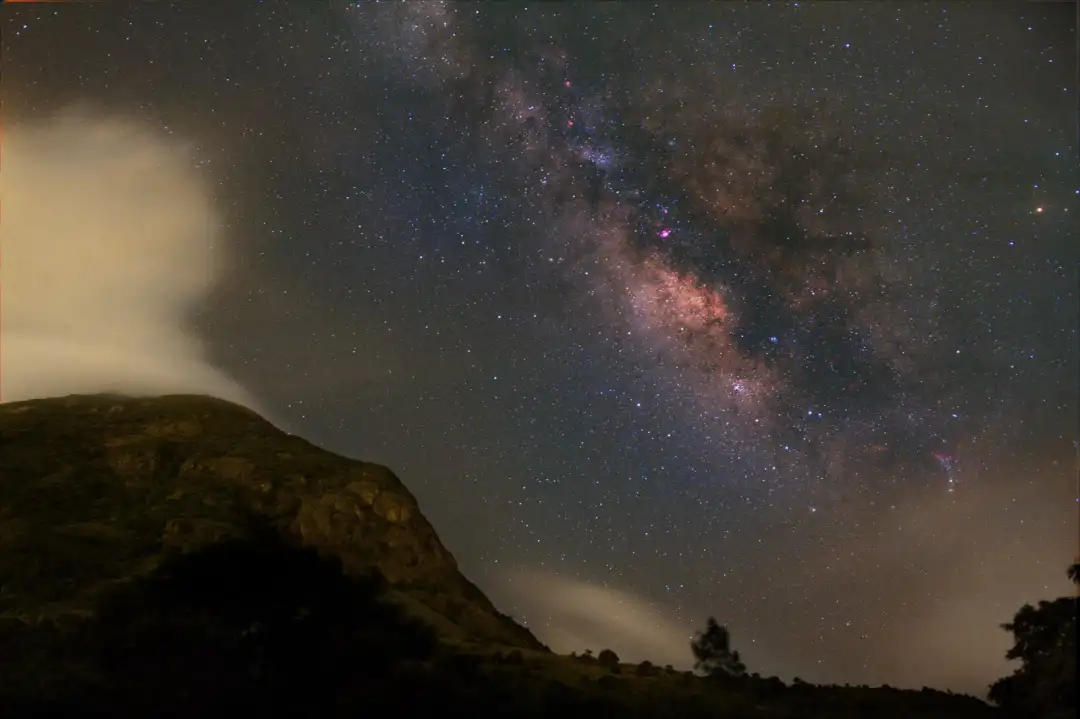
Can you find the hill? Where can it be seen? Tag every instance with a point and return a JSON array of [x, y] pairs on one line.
[[179, 555], [96, 489]]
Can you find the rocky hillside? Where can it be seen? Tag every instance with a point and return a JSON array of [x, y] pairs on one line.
[[174, 556], [100, 488]]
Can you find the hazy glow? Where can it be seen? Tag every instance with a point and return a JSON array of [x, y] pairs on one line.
[[108, 240], [571, 615]]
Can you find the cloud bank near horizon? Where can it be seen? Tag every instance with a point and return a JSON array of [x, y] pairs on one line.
[[571, 615]]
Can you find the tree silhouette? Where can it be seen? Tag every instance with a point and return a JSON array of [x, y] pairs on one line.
[[255, 622], [608, 658], [713, 653], [1074, 572], [1045, 643]]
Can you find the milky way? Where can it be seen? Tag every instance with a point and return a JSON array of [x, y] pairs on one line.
[[758, 311], [734, 242]]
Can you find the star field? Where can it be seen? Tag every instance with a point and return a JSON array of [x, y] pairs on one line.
[[663, 311]]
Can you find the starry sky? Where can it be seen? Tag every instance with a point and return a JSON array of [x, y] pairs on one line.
[[662, 311]]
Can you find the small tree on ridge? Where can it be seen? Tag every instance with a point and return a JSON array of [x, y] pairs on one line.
[[713, 653]]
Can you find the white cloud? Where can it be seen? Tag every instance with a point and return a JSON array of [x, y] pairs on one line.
[[572, 615], [108, 240]]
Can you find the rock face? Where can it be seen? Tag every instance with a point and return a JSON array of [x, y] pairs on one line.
[[97, 488]]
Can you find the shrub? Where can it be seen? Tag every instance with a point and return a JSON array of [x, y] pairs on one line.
[[608, 658], [646, 669], [713, 653], [239, 621]]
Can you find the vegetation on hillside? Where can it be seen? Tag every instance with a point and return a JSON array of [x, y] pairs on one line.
[[713, 654], [176, 556], [278, 629], [99, 488]]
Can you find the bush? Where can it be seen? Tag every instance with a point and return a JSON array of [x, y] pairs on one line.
[[261, 622], [608, 658], [646, 669]]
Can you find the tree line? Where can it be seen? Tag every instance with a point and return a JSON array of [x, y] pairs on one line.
[[1044, 642]]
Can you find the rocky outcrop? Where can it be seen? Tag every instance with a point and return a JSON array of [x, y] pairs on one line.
[[97, 488]]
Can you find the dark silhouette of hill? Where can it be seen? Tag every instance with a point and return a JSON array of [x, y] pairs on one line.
[[99, 488], [260, 622], [179, 556]]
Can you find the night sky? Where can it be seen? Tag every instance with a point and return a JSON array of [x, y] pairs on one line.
[[766, 312]]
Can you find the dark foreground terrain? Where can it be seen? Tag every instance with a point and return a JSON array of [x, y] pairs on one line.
[[180, 556]]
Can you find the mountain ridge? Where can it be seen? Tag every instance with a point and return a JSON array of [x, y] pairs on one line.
[[106, 485]]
